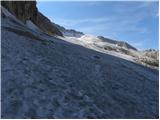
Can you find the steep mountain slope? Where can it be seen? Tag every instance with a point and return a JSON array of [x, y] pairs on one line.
[[48, 77], [117, 48], [27, 10]]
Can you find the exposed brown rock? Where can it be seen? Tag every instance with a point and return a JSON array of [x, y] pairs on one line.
[[45, 24], [27, 10]]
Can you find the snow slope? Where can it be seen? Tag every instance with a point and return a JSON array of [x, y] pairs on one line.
[[48, 77], [94, 43], [117, 48]]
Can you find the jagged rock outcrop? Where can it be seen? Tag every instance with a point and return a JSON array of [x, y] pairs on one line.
[[149, 57], [119, 43], [27, 10], [69, 32], [46, 25]]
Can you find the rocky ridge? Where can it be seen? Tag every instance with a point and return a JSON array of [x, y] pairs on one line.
[[69, 32], [27, 10]]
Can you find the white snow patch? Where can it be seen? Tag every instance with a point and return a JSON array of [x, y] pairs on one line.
[[32, 26]]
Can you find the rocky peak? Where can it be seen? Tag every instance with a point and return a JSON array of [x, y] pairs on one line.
[[69, 32], [119, 43]]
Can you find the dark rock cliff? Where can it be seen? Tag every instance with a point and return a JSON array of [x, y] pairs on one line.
[[27, 10]]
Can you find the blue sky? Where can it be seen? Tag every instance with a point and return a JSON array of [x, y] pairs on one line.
[[134, 22]]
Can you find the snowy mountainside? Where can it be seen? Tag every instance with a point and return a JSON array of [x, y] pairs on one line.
[[117, 49], [47, 76], [113, 47]]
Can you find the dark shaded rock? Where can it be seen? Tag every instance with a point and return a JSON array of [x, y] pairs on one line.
[[27, 10], [46, 25]]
